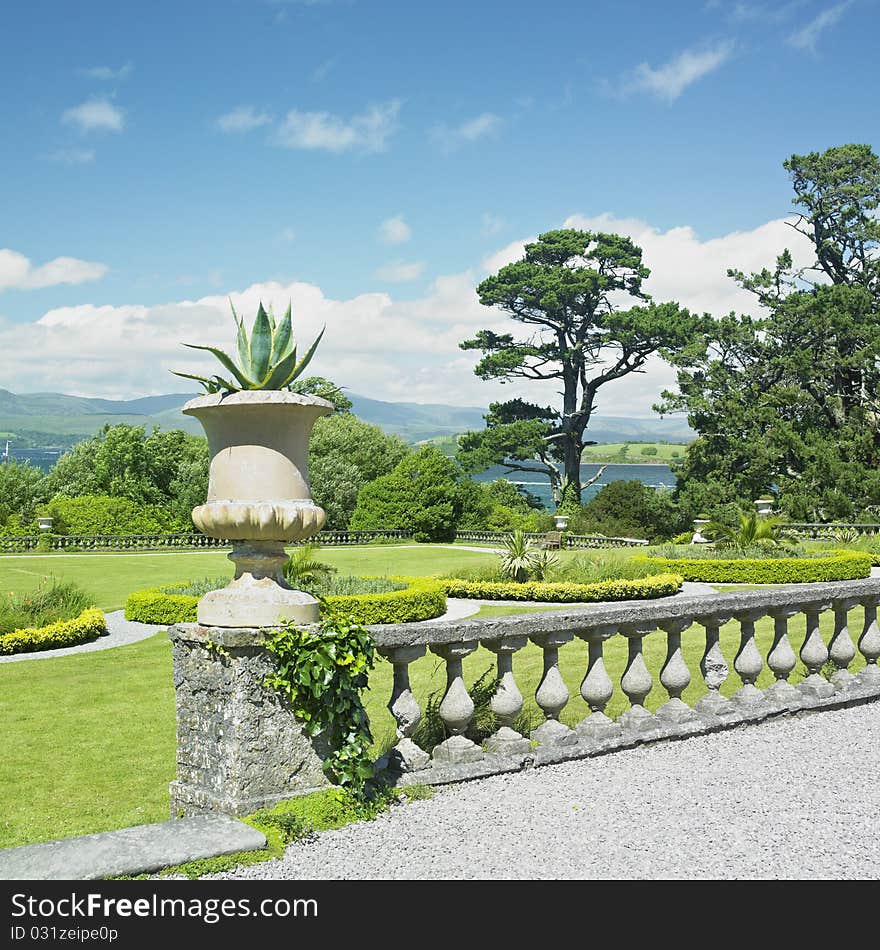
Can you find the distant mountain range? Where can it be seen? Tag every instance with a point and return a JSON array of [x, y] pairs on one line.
[[54, 420]]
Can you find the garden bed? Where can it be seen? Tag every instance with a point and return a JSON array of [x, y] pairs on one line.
[[88, 626], [420, 598], [563, 592], [839, 566]]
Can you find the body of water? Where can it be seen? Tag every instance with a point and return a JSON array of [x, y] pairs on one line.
[[656, 476], [43, 459]]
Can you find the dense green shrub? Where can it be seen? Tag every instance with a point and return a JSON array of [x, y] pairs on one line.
[[89, 625], [659, 585], [419, 598], [421, 495], [103, 514], [629, 509], [841, 566]]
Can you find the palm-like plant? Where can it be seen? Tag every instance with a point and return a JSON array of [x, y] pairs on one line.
[[751, 531], [303, 567], [266, 359], [516, 559]]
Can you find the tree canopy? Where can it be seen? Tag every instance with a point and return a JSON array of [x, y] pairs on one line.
[[789, 399], [587, 322]]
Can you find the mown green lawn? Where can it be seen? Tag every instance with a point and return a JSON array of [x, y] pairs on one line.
[[89, 740], [110, 578]]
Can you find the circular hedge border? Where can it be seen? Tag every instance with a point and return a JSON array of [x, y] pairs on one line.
[[840, 566], [423, 599], [645, 588], [88, 626]]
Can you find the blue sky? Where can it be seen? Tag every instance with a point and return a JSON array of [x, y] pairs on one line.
[[374, 160]]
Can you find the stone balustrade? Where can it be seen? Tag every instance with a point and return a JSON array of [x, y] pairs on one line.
[[568, 540], [827, 532], [162, 542], [672, 618]]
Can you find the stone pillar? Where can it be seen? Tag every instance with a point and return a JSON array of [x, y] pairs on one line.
[[715, 671], [406, 755], [636, 681], [239, 745], [869, 647], [748, 663], [457, 708], [552, 693], [842, 650], [814, 655], [782, 660], [597, 688], [507, 703], [675, 677]]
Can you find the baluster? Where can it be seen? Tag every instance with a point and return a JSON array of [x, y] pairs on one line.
[[552, 693], [869, 647], [715, 671], [457, 708], [842, 650], [507, 703], [406, 755], [814, 655], [636, 681], [597, 688], [748, 663], [675, 677], [782, 660]]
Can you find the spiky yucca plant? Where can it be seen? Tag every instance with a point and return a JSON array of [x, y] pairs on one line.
[[266, 360]]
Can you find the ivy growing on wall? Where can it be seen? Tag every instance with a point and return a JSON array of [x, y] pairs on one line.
[[321, 671]]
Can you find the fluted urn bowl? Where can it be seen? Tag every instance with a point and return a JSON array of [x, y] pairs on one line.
[[258, 498]]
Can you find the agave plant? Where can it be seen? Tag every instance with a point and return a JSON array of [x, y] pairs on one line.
[[517, 558], [752, 530], [266, 360]]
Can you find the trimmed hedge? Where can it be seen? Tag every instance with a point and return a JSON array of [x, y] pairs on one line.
[[422, 599], [646, 588], [840, 566], [89, 625]]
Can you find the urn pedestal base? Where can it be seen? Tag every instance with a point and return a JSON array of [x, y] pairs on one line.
[[259, 596]]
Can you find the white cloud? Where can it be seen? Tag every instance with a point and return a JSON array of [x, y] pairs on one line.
[[451, 137], [242, 119], [376, 344], [394, 230], [107, 73], [400, 271], [669, 81], [807, 37], [367, 132], [94, 115], [73, 156], [18, 272]]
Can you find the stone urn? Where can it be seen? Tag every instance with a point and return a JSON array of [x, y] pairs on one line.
[[259, 499], [44, 524], [764, 506], [698, 537], [561, 522]]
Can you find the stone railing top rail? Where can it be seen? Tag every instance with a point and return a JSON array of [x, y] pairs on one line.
[[626, 617], [632, 614]]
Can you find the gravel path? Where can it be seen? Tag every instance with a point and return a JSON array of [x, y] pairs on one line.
[[796, 798], [122, 632]]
